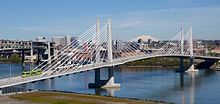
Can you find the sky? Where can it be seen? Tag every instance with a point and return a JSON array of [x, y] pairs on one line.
[[27, 19]]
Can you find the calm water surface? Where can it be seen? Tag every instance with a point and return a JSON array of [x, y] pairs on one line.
[[142, 83]]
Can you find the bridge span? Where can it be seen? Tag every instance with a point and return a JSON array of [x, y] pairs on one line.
[[12, 81], [97, 51]]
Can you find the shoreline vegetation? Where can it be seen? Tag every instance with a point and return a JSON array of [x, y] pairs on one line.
[[14, 58], [53, 97], [172, 62], [146, 66], [151, 62]]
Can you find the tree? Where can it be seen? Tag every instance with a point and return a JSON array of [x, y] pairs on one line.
[[15, 58]]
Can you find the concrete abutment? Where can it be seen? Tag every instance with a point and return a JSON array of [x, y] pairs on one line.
[[109, 83]]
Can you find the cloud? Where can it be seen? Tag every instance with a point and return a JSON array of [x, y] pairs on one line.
[[129, 24], [164, 23]]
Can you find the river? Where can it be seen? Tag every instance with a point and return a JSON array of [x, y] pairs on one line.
[[142, 83]]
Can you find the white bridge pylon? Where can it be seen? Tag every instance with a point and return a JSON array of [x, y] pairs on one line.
[[191, 69], [94, 49]]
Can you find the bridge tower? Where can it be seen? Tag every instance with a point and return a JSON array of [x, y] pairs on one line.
[[109, 83], [182, 40], [191, 69], [109, 39], [97, 40], [182, 50], [32, 51]]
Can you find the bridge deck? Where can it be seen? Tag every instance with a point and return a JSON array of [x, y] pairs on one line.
[[7, 82]]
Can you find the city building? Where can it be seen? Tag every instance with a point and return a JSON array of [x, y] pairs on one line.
[[62, 41], [40, 39], [67, 39], [143, 46], [58, 41], [147, 42], [216, 50]]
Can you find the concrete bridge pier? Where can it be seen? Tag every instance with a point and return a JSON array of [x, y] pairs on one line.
[[38, 56], [181, 66], [182, 69], [22, 57], [109, 83], [1, 91], [7, 56], [49, 53], [192, 68]]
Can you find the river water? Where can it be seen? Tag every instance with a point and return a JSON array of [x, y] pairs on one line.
[[141, 83]]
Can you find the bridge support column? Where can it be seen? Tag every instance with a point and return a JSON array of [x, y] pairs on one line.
[[191, 68], [32, 61], [182, 69], [49, 53], [181, 65], [1, 92], [22, 57], [109, 83], [32, 52], [7, 56], [38, 56]]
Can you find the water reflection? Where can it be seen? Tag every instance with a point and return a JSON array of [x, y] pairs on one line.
[[192, 77], [181, 79], [51, 83], [106, 91]]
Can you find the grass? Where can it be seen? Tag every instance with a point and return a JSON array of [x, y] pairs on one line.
[[70, 98]]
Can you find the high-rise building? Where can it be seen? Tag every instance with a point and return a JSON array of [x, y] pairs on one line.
[[67, 39], [59, 41]]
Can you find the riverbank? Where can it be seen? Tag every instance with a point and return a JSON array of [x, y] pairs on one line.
[[157, 62], [69, 98], [14, 58], [147, 66]]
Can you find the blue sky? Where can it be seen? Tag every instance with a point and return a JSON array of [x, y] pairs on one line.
[[26, 19]]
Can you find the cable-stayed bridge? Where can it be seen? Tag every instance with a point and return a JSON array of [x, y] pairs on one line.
[[94, 50]]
